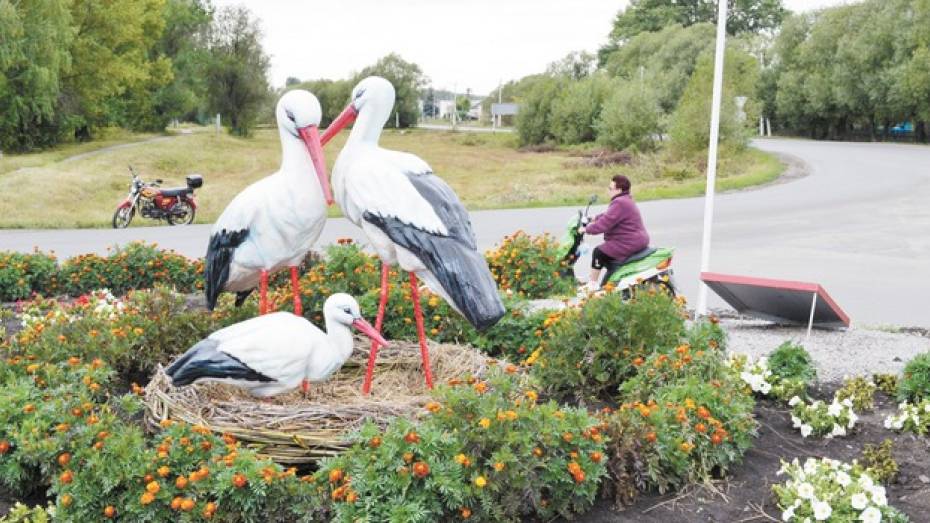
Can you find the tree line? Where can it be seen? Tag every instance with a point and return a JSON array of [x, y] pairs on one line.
[[71, 67]]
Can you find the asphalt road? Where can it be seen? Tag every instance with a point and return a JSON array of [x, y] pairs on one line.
[[858, 223]]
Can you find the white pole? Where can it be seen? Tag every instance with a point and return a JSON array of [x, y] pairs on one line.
[[712, 150], [810, 321]]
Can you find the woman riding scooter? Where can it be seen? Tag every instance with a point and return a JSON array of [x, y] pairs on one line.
[[622, 227]]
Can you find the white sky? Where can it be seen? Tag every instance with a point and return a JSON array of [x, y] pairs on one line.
[[459, 44]]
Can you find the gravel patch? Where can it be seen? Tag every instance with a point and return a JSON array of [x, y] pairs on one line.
[[837, 353]]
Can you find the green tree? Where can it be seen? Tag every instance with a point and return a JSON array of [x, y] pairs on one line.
[[690, 124], [34, 41], [534, 120], [643, 16], [631, 117], [236, 73], [332, 94], [408, 80], [575, 65], [577, 108]]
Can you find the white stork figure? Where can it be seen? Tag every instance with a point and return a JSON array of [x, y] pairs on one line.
[[274, 222], [412, 218], [275, 353]]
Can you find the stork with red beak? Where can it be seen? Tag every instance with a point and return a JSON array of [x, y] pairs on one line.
[[274, 222], [411, 216]]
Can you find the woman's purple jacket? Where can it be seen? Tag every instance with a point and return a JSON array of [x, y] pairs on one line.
[[622, 227]]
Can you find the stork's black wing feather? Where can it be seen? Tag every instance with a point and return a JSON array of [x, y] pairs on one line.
[[216, 264], [204, 360]]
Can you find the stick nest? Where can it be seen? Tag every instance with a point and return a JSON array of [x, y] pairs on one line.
[[291, 428]]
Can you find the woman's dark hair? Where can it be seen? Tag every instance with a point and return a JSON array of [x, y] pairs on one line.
[[621, 182]]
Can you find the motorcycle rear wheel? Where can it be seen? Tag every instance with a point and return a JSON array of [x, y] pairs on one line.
[[182, 213], [122, 217]]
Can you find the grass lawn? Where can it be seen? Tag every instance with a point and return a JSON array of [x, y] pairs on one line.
[[486, 170]]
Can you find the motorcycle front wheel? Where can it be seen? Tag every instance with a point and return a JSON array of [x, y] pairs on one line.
[[122, 217], [181, 214]]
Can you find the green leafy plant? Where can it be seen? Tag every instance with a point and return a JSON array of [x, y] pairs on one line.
[[832, 490], [792, 361], [529, 266], [822, 420], [589, 352], [887, 383], [911, 417], [487, 450], [23, 514], [860, 390], [914, 384], [879, 461], [22, 275]]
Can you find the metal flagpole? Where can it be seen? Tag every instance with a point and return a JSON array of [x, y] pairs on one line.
[[712, 150]]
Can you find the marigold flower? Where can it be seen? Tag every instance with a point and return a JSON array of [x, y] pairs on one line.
[[147, 498], [499, 466], [485, 423], [480, 482], [466, 512]]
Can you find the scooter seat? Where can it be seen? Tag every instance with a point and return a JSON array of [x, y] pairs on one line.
[[176, 191], [645, 253]]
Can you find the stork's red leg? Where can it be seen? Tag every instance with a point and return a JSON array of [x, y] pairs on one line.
[[295, 285], [418, 315], [263, 292], [379, 320]]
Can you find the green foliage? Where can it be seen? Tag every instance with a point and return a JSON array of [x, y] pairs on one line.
[[631, 118], [914, 384], [22, 514], [332, 94], [643, 16], [407, 79], [529, 266], [236, 73], [792, 361], [879, 461], [860, 390], [690, 123], [887, 383], [21, 275], [534, 121], [577, 109], [590, 351], [137, 266], [486, 450]]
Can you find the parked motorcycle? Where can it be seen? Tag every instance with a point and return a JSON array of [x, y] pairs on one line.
[[651, 265], [176, 205]]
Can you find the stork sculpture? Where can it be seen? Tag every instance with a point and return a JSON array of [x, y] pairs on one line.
[[273, 223], [411, 216]]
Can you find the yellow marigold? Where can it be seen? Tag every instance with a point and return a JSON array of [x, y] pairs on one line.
[[485, 423], [531, 395], [480, 482], [499, 466]]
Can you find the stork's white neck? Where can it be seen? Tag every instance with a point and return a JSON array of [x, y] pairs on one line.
[[340, 339], [296, 162], [370, 122]]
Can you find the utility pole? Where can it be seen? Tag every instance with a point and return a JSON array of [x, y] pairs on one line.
[[712, 151]]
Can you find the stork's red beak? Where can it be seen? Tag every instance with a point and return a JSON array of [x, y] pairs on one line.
[[369, 331], [347, 116], [311, 138]]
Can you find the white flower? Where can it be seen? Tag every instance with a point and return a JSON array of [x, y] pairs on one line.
[[843, 479], [878, 496], [806, 430], [794, 401], [788, 515], [835, 409], [765, 387], [927, 406], [888, 422], [745, 376], [871, 515], [805, 491], [852, 420], [838, 430], [865, 482], [847, 402], [796, 422], [859, 501], [822, 510]]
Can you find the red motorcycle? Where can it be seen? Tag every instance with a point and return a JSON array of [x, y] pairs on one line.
[[176, 205]]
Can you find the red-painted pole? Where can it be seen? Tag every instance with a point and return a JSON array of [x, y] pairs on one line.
[[295, 285], [418, 315], [379, 321]]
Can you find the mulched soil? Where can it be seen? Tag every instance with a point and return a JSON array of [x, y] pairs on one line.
[[746, 496]]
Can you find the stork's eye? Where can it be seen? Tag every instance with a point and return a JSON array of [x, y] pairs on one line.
[[359, 94], [347, 310], [290, 116]]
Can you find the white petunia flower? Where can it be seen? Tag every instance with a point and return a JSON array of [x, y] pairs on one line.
[[822, 510], [796, 422], [871, 515], [866, 482], [788, 515], [806, 430], [888, 422], [765, 387], [794, 401], [859, 501], [843, 479], [835, 409], [878, 496], [806, 491], [847, 402], [838, 430]]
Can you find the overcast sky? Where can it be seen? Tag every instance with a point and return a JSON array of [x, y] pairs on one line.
[[458, 43]]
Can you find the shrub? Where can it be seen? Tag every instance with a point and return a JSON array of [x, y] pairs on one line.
[[590, 351], [859, 390], [829, 489], [516, 335], [577, 109], [887, 383], [631, 118], [529, 266], [763, 382], [137, 266], [914, 384], [879, 461], [690, 430], [791, 361], [22, 275], [487, 451], [22, 514], [534, 122]]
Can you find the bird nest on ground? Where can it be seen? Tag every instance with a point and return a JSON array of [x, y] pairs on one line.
[[291, 428]]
